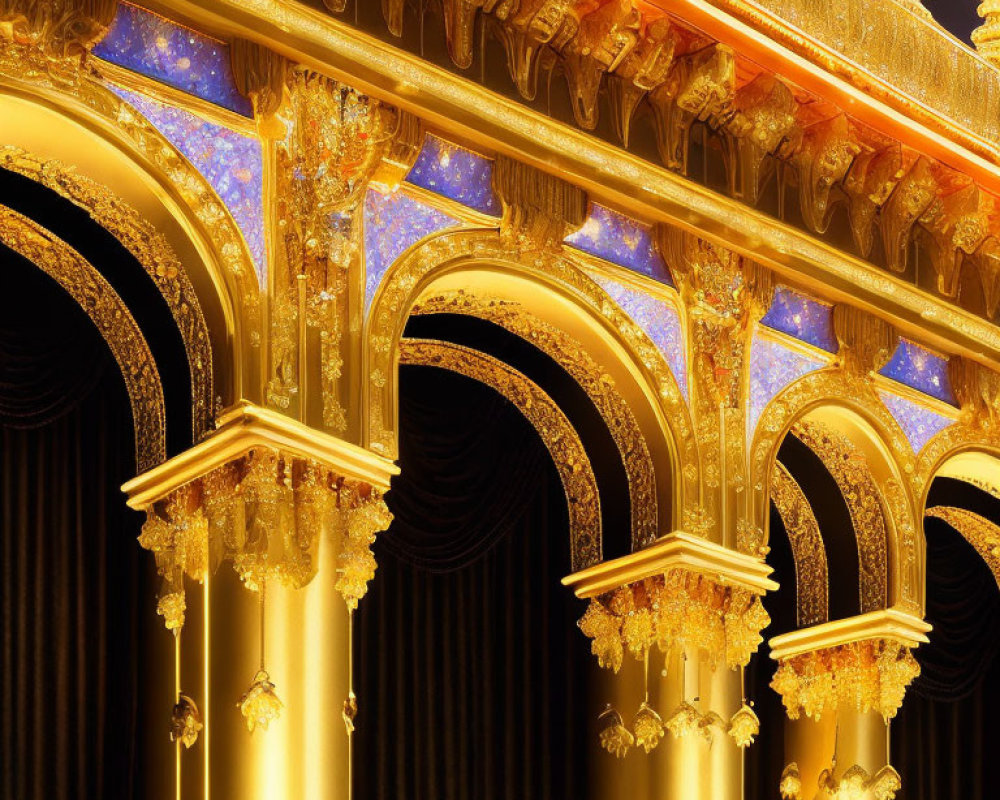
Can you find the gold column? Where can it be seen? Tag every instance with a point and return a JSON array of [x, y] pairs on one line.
[[294, 512], [690, 610], [841, 683]]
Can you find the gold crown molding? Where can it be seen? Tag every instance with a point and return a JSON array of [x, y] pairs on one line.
[[454, 106], [599, 386], [555, 430], [111, 317], [977, 530], [247, 427], [812, 581], [453, 251], [853, 474], [677, 550], [888, 624], [151, 250], [58, 29]]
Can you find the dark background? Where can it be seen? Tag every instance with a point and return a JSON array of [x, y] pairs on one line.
[[958, 16]]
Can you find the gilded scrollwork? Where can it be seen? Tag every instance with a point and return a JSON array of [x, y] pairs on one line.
[[151, 250], [451, 251], [111, 317], [333, 145], [58, 29], [812, 581], [555, 430], [853, 475], [598, 385]]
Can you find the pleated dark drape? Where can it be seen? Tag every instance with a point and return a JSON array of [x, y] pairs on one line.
[[946, 742], [70, 570], [471, 670]]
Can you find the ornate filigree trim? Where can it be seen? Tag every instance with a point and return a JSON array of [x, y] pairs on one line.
[[867, 675], [557, 433], [598, 385], [978, 531], [852, 473], [266, 512], [812, 582], [680, 610], [111, 316], [150, 249]]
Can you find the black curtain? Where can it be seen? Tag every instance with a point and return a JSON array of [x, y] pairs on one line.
[[71, 582], [946, 745], [471, 670]]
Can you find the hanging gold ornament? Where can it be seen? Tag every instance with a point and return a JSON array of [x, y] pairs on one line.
[[260, 705], [648, 727], [614, 736], [684, 720], [791, 782], [185, 721], [744, 726]]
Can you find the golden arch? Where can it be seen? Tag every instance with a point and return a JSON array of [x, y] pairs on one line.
[[88, 128], [556, 290], [849, 404]]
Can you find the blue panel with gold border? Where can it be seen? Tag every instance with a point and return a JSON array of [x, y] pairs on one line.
[[920, 369], [144, 42], [802, 317], [620, 240], [456, 173]]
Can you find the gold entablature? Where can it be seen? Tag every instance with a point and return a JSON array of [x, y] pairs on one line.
[[111, 317], [151, 250], [812, 581], [598, 385], [555, 430]]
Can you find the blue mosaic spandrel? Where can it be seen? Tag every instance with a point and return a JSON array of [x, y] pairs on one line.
[[456, 173], [393, 223], [920, 369], [658, 319], [620, 240], [802, 317], [919, 423], [773, 367], [230, 162], [144, 42]]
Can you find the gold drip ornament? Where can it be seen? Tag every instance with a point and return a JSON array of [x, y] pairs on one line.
[[687, 598], [263, 493]]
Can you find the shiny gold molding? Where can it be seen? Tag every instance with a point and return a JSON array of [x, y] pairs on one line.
[[556, 432], [812, 582], [451, 252], [976, 530], [598, 385], [151, 250], [111, 317], [862, 662], [853, 475]]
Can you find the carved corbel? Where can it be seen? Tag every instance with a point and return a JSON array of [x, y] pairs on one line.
[[870, 181], [701, 86], [606, 37], [644, 68], [907, 203], [392, 12], [987, 261], [526, 32], [958, 223], [539, 210], [866, 341], [828, 149], [763, 120], [260, 75], [400, 151], [977, 389]]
